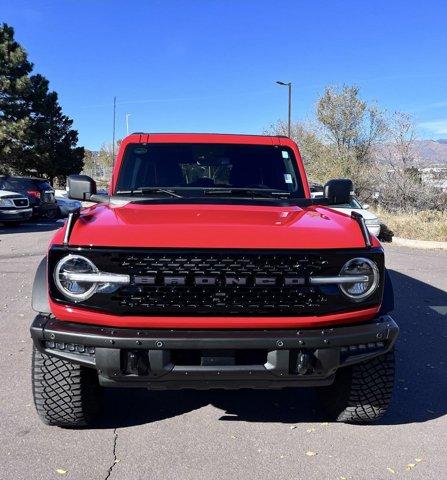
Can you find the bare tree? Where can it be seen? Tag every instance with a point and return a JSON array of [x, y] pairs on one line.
[[400, 184], [357, 140]]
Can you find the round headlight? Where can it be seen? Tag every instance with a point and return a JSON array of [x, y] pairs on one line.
[[74, 290], [360, 267]]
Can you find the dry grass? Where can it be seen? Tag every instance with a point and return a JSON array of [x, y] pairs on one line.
[[424, 225]]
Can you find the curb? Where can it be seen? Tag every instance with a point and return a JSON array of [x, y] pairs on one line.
[[423, 244]]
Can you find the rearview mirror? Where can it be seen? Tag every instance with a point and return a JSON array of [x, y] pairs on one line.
[[338, 191], [81, 187]]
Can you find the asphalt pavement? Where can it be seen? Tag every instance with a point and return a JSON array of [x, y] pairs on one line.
[[230, 434]]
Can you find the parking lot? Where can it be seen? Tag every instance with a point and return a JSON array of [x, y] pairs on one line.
[[230, 434]]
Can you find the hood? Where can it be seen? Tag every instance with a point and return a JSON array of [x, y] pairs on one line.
[[7, 193], [214, 226]]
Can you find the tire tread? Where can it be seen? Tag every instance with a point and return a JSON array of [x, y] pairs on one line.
[[361, 393], [65, 394]]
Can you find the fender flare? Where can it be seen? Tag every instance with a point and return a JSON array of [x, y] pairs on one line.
[[388, 295], [39, 301]]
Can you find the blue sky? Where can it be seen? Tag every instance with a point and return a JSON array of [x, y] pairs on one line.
[[211, 65]]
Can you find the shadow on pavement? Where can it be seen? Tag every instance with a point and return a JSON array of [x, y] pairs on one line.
[[420, 391], [34, 225]]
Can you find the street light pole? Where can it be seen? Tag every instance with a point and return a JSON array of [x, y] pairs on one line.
[[289, 122], [114, 128]]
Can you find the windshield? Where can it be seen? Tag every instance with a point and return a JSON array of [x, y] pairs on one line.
[[195, 168]]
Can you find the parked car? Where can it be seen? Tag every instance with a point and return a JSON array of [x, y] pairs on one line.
[[39, 192], [371, 219], [14, 208], [66, 205], [209, 265], [354, 204]]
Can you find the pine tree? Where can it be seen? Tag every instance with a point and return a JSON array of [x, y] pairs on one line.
[[51, 144], [36, 138], [14, 85]]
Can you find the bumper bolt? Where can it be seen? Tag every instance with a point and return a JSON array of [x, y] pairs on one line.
[[52, 336], [379, 335], [300, 342], [280, 343], [159, 344], [138, 342]]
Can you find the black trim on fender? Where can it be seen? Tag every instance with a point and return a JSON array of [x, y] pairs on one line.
[[39, 302], [362, 224], [387, 305]]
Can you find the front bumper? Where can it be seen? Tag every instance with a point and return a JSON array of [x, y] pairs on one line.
[[173, 359], [15, 214]]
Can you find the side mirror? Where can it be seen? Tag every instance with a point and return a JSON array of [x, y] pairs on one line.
[[365, 206], [338, 191], [81, 187]]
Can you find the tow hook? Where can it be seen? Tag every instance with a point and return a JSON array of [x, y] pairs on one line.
[[303, 363]]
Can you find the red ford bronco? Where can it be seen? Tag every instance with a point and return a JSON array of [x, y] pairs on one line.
[[209, 265]]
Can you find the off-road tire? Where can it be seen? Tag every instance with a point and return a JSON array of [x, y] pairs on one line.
[[360, 393], [65, 394]]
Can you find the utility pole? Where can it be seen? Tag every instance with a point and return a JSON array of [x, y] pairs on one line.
[[127, 123], [289, 122], [114, 128]]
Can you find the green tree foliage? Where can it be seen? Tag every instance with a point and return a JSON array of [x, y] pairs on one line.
[[51, 142], [35, 136], [14, 86]]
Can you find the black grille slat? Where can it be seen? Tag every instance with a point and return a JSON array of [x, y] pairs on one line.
[[20, 202]]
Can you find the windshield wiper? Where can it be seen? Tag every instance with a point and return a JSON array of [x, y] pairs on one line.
[[258, 192], [147, 190]]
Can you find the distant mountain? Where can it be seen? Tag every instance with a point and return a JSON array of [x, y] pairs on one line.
[[426, 152], [432, 152]]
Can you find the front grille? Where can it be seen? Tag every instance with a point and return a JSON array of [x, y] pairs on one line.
[[166, 282], [21, 202]]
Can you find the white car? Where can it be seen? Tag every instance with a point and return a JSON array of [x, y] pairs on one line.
[[371, 220], [66, 205]]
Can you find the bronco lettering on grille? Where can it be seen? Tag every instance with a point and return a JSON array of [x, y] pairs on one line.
[[216, 280]]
